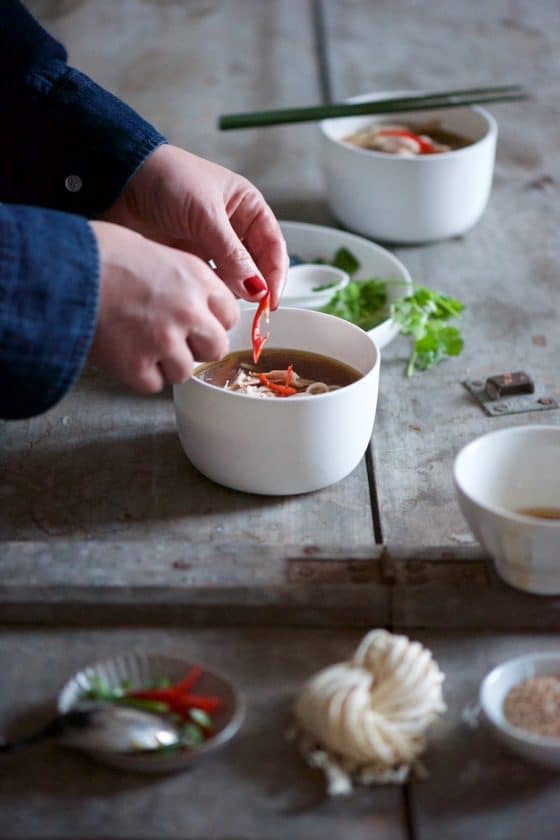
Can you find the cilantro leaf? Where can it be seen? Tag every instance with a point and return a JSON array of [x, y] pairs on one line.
[[346, 261], [424, 317], [362, 302]]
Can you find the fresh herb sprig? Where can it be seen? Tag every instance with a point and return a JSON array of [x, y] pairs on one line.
[[363, 303], [423, 316]]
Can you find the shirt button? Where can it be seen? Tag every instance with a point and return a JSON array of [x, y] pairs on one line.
[[73, 183]]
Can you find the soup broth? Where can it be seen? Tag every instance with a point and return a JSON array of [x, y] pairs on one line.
[[310, 373], [431, 138], [541, 512]]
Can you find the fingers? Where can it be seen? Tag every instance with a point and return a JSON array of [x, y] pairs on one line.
[[178, 367], [208, 345], [234, 264], [256, 224]]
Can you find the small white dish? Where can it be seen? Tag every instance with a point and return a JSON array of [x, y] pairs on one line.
[[311, 242], [311, 286], [142, 670], [493, 691], [410, 199], [498, 475], [282, 447]]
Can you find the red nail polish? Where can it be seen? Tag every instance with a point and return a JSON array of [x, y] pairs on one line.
[[254, 285]]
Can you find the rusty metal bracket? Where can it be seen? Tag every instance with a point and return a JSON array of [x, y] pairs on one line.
[[518, 404]]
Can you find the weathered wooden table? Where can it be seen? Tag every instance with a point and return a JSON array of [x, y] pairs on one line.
[[113, 542]]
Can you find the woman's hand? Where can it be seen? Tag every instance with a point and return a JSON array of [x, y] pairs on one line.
[[193, 204], [159, 309]]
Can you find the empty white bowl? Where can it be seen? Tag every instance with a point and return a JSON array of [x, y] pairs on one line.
[[311, 286], [410, 199], [504, 472], [493, 692], [284, 446]]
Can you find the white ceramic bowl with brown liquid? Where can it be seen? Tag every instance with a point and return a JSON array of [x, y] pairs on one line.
[[410, 199], [508, 487], [291, 445]]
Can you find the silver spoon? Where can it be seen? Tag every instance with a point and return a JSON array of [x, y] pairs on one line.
[[103, 726]]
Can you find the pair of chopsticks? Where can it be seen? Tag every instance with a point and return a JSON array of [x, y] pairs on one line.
[[420, 102]]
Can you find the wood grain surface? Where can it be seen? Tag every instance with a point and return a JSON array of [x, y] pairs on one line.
[[112, 541], [506, 269]]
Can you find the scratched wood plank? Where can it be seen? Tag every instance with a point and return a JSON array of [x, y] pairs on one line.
[[127, 583], [476, 787], [257, 788], [506, 270], [105, 464]]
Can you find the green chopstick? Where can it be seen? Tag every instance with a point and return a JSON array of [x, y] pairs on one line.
[[419, 102]]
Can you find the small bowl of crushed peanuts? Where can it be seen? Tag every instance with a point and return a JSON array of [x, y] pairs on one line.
[[520, 700]]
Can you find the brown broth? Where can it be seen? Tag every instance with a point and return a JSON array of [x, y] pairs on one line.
[[308, 365], [441, 135], [432, 130], [541, 512]]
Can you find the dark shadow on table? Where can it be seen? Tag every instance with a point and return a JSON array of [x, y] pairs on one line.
[[115, 484]]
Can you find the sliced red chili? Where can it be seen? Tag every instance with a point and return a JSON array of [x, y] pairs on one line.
[[257, 340], [190, 680], [426, 147], [281, 390], [289, 373]]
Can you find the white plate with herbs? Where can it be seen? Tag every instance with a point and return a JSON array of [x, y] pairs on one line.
[[362, 261]]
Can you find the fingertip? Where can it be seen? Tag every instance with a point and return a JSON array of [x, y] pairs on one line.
[[255, 286]]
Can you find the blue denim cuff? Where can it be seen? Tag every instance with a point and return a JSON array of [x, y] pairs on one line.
[[49, 282]]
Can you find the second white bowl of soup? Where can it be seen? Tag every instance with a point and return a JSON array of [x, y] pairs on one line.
[[408, 198], [277, 445]]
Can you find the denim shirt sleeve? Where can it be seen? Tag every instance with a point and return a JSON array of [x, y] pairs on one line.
[[65, 142], [49, 279]]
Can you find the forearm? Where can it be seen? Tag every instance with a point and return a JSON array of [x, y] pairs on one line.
[[49, 278], [65, 143]]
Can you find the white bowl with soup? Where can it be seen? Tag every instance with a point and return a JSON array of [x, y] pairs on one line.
[[283, 445], [416, 197], [508, 486]]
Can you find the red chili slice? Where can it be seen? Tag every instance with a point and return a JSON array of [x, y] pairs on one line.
[[426, 148], [281, 390], [257, 340], [289, 372]]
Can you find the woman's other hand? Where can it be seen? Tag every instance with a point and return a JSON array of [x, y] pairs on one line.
[[160, 309], [190, 203]]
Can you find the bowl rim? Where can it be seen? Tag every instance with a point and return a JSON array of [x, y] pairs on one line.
[[195, 382], [341, 283], [497, 510], [423, 160], [232, 726], [546, 743]]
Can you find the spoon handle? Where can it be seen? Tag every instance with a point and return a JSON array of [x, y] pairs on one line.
[[77, 719]]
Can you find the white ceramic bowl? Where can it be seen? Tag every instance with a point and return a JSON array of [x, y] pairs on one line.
[[503, 472], [284, 446], [311, 286], [493, 691], [416, 199], [140, 670], [308, 242]]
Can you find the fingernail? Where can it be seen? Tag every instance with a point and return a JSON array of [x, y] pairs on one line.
[[254, 285]]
